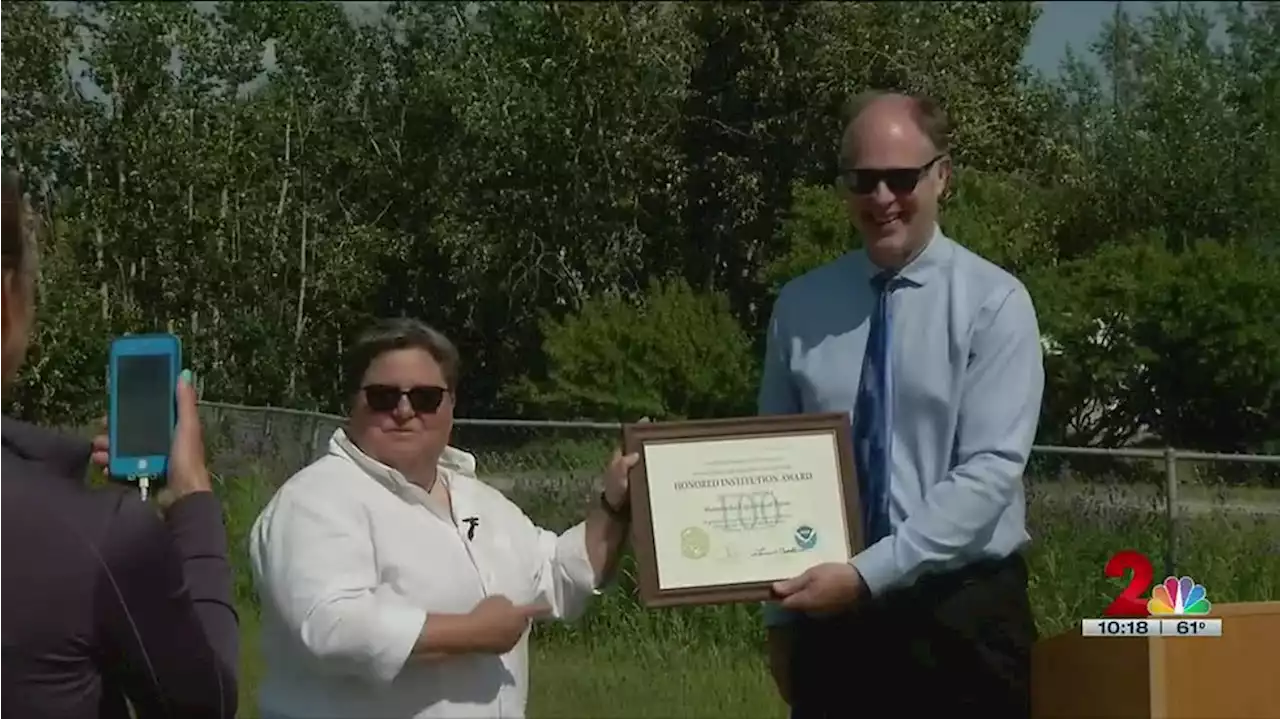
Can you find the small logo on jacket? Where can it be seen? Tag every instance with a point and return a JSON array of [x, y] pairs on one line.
[[472, 523]]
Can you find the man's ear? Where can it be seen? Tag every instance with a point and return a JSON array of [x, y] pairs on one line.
[[944, 177]]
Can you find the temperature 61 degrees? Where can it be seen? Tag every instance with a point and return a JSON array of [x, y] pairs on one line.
[[1191, 627]]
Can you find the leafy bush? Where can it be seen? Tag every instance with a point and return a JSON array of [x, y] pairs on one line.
[[1181, 343], [1002, 217], [816, 231], [1087, 310], [676, 354], [1212, 329]]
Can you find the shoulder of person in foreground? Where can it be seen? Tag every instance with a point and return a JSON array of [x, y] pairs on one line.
[[166, 606], [59, 453]]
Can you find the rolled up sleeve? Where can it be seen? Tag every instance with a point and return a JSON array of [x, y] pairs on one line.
[[313, 561], [563, 576]]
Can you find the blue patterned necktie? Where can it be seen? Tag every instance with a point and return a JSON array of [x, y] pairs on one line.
[[871, 435]]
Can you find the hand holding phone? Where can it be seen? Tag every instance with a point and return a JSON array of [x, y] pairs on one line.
[[153, 428]]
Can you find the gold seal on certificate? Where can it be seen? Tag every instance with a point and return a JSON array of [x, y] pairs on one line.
[[721, 509]]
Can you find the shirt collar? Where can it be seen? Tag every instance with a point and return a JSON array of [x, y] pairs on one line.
[[453, 461], [936, 255]]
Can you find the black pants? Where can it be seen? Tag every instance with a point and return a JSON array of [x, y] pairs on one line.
[[960, 640]]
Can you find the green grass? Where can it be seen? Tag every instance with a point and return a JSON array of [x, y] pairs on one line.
[[622, 660], [619, 679]]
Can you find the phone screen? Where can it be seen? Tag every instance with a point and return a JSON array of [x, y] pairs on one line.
[[144, 405]]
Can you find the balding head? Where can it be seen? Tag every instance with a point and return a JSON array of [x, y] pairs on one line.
[[894, 167], [878, 111]]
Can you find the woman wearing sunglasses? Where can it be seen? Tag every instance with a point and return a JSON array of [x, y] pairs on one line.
[[394, 583]]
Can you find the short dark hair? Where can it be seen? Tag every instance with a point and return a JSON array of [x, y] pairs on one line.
[[926, 113], [400, 333]]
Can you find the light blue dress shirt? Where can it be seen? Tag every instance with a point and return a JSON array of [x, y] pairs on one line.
[[967, 378]]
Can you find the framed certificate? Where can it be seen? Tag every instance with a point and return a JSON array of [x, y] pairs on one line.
[[721, 509]]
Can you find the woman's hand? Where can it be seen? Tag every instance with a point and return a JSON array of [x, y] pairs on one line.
[[616, 479], [498, 625], [187, 472], [101, 454]]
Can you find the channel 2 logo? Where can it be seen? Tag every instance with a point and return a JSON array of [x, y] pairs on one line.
[[1172, 597]]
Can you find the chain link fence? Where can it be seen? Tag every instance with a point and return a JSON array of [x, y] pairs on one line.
[[1164, 500]]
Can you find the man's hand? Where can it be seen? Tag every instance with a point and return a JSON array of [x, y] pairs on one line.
[[824, 589], [498, 624]]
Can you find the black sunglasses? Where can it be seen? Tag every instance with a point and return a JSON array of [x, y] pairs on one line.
[[385, 398], [898, 180]]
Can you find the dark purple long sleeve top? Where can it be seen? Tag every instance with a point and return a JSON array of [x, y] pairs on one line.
[[103, 600]]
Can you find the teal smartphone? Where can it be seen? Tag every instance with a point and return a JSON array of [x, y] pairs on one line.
[[143, 382]]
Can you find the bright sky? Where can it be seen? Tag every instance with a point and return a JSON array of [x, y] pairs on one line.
[[1062, 23]]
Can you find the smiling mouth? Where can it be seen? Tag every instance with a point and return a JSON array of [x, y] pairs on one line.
[[885, 220]]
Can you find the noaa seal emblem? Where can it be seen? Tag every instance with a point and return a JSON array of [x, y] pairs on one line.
[[806, 537], [694, 543]]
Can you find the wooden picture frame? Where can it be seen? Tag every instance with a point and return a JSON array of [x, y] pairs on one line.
[[764, 492]]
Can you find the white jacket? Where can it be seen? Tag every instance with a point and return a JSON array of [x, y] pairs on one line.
[[349, 558]]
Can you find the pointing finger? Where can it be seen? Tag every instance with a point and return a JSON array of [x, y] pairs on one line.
[[536, 610]]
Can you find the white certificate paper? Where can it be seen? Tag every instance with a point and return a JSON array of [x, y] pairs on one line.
[[737, 510]]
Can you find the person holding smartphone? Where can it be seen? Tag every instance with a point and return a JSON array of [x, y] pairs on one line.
[[106, 603]]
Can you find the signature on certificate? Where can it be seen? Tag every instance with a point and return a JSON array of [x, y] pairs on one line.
[[765, 552]]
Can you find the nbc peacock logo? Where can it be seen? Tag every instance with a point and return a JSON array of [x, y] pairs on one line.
[[1176, 597]]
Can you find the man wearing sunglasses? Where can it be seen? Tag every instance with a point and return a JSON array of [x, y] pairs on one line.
[[935, 354]]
